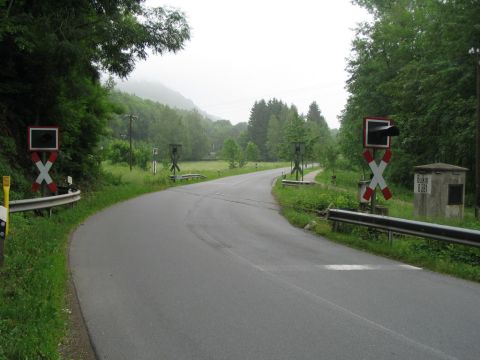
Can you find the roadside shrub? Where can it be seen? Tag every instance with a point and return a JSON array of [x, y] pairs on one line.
[[118, 152]]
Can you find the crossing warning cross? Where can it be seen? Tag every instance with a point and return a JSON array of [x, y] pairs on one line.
[[377, 170], [44, 169]]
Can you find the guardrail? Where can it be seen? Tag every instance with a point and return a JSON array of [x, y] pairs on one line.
[[286, 182], [187, 176], [417, 228], [44, 202]]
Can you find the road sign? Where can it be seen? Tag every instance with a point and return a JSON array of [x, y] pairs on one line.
[[377, 132], [423, 184], [44, 169], [377, 171], [43, 138]]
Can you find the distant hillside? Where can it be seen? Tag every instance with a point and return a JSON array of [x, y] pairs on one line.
[[156, 91], [158, 125]]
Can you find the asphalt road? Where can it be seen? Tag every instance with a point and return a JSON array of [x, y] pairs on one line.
[[213, 271]]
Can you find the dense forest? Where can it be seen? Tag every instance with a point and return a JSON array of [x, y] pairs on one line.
[[273, 126], [157, 125], [414, 64]]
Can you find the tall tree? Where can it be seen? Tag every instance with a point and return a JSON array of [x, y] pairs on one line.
[[412, 64], [251, 152], [274, 137], [294, 131], [258, 125], [315, 115], [231, 152], [52, 55], [318, 132]]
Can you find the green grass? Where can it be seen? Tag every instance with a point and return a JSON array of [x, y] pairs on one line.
[[301, 206], [210, 169], [33, 280]]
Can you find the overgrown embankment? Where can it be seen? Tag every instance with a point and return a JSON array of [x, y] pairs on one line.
[[301, 207]]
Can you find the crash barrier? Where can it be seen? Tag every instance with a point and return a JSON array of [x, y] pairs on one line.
[[186, 177], [451, 234], [44, 202], [286, 182]]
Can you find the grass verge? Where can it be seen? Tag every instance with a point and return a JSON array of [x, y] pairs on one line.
[[299, 206], [34, 313]]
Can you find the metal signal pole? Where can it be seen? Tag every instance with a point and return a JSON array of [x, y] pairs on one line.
[[476, 52], [477, 146]]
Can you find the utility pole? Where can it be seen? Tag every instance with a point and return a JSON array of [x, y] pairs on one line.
[[130, 135], [476, 52], [477, 146]]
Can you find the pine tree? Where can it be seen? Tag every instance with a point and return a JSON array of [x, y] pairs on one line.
[[258, 126]]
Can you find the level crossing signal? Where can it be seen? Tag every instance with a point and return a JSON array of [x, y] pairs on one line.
[[298, 152], [43, 139], [377, 133], [377, 171], [174, 157]]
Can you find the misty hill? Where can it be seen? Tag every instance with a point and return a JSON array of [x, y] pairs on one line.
[[158, 92], [158, 125]]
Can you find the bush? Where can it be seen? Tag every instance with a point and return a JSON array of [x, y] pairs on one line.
[[20, 184], [118, 152], [142, 156]]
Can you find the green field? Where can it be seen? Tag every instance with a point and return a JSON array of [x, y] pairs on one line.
[[34, 312], [210, 169]]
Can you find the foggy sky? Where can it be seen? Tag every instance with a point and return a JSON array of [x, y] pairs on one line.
[[242, 51]]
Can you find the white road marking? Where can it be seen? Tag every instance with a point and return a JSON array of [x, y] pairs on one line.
[[369, 267], [335, 267]]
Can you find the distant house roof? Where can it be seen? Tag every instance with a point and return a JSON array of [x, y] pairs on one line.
[[440, 167]]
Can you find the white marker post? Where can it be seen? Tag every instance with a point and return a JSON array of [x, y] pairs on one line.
[[3, 231]]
